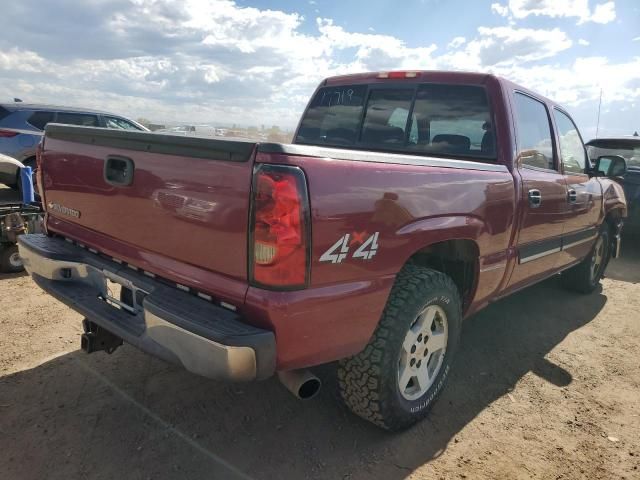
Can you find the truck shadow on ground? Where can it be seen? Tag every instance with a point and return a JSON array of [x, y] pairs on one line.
[[627, 267], [4, 276], [131, 416]]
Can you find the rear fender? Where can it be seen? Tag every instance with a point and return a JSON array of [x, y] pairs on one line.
[[429, 231], [491, 252]]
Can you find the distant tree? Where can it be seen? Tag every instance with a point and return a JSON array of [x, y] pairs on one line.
[[144, 121]]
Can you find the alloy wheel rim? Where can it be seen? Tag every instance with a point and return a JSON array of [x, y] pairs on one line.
[[15, 260], [422, 353]]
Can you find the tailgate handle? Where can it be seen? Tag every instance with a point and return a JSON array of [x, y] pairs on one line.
[[118, 171]]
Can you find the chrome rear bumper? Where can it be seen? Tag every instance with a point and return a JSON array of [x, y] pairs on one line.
[[161, 320]]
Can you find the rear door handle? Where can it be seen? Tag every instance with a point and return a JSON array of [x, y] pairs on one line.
[[118, 170], [535, 198], [572, 196]]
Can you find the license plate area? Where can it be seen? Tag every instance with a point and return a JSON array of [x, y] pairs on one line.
[[120, 293]]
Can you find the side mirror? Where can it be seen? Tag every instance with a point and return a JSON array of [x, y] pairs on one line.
[[610, 166]]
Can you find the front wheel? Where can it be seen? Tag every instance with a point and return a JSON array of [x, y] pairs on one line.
[[395, 380], [586, 276]]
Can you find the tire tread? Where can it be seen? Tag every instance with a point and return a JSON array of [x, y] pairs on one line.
[[361, 378]]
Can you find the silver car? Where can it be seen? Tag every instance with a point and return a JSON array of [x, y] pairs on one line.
[[22, 125]]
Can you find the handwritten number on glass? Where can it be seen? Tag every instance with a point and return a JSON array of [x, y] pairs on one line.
[[337, 97]]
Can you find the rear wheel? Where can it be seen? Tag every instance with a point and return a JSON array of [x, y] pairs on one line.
[[585, 277], [10, 261], [395, 380]]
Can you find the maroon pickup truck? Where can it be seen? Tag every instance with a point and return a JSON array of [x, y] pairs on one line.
[[407, 202]]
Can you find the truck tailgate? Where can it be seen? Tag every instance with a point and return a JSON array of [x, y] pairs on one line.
[[187, 200]]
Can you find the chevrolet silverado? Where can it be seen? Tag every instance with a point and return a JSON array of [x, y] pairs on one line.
[[407, 202]]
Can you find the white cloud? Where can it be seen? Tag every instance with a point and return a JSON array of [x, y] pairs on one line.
[[500, 9], [507, 45], [199, 61], [604, 13], [457, 42], [218, 62], [637, 39], [373, 51], [581, 81], [584, 43], [519, 9]]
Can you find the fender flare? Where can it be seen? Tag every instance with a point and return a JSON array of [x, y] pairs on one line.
[[430, 231]]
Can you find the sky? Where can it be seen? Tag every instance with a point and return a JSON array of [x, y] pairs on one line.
[[250, 62]]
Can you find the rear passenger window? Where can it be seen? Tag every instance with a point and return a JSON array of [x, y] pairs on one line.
[[535, 147], [40, 119], [81, 119], [453, 120], [572, 152]]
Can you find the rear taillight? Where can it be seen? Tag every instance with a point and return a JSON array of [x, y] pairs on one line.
[[7, 133], [279, 242]]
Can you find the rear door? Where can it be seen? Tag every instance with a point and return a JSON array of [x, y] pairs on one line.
[[543, 201], [584, 196]]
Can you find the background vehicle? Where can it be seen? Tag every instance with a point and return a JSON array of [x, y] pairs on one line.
[[22, 125], [629, 149], [408, 201], [10, 170], [190, 130], [16, 219]]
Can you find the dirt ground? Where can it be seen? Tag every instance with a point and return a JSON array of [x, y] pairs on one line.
[[546, 385]]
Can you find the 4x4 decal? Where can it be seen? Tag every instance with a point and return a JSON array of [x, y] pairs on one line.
[[340, 250]]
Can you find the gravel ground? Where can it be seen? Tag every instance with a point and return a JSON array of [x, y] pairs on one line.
[[546, 385]]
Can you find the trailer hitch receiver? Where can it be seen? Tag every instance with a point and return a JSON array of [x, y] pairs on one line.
[[96, 339]]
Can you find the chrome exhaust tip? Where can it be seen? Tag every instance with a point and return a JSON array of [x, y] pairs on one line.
[[302, 383]]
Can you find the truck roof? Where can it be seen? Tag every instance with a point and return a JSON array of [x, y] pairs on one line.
[[410, 75], [436, 76]]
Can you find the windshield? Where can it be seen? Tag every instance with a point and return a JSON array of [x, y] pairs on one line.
[[452, 120], [631, 155]]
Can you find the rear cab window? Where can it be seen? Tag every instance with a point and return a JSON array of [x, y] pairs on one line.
[[423, 119]]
